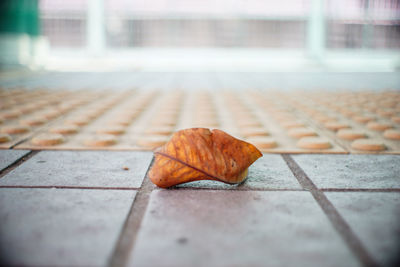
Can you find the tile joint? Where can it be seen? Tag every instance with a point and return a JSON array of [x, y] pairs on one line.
[[337, 221], [380, 190], [126, 240], [67, 187], [17, 163]]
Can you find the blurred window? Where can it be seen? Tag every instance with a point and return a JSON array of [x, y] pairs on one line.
[[363, 24], [350, 24], [206, 23], [64, 22]]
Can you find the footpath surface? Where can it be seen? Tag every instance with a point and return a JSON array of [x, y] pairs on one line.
[[98, 208]]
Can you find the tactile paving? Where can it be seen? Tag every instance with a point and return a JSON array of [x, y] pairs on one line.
[[275, 121]]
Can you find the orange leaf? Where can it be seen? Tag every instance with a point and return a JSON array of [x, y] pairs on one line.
[[200, 154]]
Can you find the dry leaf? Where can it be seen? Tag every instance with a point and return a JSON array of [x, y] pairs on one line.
[[200, 154]]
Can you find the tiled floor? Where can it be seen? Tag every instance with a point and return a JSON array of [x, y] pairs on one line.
[[8, 157], [300, 210], [51, 227], [81, 169]]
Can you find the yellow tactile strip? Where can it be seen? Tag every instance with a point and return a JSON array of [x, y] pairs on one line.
[[360, 122], [276, 122], [23, 113]]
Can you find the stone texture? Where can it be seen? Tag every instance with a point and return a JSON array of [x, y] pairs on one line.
[[54, 227], [8, 157], [375, 218], [268, 172], [237, 228], [351, 171], [81, 168]]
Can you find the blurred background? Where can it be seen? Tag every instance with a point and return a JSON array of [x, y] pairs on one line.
[[207, 35]]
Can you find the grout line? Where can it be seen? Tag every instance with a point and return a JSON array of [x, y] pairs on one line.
[[24, 139], [360, 189], [67, 187], [341, 226], [127, 237], [18, 162], [235, 189]]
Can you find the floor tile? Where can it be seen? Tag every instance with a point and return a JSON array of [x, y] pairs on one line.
[[352, 171], [237, 228], [375, 218], [268, 172], [55, 227], [8, 157], [82, 169]]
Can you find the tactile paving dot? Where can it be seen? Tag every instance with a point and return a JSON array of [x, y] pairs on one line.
[[114, 130], [368, 145], [47, 139], [324, 119], [121, 121], [101, 140], [292, 124], [50, 114], [363, 119], [25, 109], [335, 126], [301, 132], [152, 141], [314, 143], [350, 134], [248, 123], [392, 134], [396, 119], [385, 112], [5, 138], [262, 142], [12, 114], [66, 129], [79, 121], [34, 121], [161, 130], [162, 121], [15, 129], [253, 131], [379, 126]]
